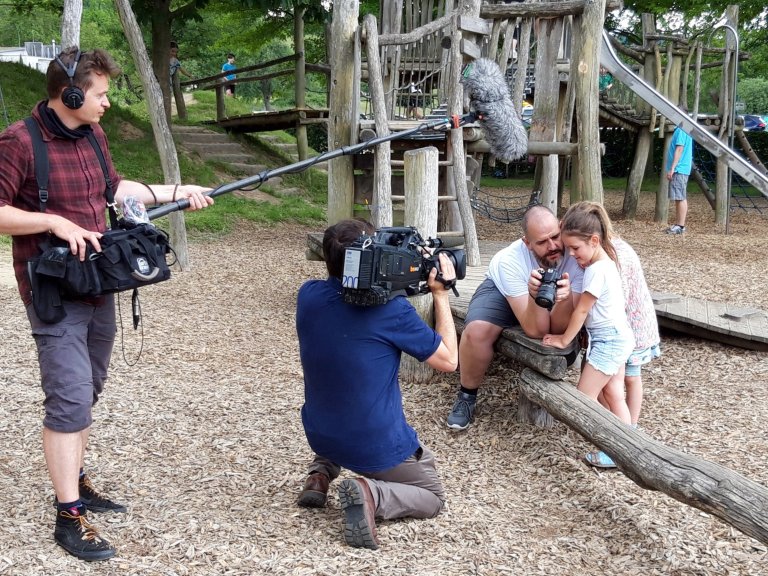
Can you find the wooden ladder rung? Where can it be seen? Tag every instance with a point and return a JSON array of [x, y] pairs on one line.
[[401, 163], [401, 198]]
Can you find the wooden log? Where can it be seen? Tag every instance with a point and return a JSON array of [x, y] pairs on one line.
[[421, 177], [541, 9], [705, 485], [514, 344]]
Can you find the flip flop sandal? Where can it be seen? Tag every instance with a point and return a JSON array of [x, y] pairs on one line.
[[599, 459]]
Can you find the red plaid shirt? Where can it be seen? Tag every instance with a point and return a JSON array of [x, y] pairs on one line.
[[75, 186]]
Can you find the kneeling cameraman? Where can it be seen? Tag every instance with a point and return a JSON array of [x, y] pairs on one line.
[[353, 414]]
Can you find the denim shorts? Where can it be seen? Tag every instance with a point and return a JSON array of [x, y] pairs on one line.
[[678, 186], [640, 357], [608, 349], [490, 305]]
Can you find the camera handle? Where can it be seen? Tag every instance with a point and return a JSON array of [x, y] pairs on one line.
[[258, 179]]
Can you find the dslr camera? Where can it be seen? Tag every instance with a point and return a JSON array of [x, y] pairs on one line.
[[545, 297], [394, 262]]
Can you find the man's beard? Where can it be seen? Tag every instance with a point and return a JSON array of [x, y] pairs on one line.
[[551, 260]]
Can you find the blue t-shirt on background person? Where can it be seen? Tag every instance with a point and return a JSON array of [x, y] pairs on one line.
[[685, 164]]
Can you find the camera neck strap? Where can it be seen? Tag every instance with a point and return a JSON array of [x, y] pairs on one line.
[[42, 169]]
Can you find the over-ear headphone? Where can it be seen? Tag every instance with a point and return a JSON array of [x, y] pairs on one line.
[[72, 96]]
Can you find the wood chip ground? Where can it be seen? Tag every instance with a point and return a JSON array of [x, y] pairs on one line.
[[202, 437]]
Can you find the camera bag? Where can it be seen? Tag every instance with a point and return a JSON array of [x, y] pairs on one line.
[[132, 255]]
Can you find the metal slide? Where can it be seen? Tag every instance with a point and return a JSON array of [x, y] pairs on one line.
[[735, 162]]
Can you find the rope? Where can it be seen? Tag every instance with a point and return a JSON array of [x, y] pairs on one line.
[[506, 208]]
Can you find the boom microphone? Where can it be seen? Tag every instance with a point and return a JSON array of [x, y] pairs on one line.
[[489, 97]]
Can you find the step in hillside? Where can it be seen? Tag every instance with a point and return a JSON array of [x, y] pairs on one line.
[[220, 147], [290, 150]]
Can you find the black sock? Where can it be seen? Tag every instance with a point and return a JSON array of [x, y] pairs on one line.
[[81, 476], [70, 505], [472, 392]]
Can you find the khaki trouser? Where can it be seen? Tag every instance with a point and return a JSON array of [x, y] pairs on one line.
[[411, 489]]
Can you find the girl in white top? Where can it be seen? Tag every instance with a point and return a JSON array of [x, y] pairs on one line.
[[586, 231]]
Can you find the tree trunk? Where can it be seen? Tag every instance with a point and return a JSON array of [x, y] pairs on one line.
[[160, 126], [70, 23], [705, 485]]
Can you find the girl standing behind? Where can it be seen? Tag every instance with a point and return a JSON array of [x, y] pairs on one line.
[[586, 231]]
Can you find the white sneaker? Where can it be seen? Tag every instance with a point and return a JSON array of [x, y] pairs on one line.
[[675, 229]]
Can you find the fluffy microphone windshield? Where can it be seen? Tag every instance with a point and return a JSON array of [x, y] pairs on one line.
[[489, 95]]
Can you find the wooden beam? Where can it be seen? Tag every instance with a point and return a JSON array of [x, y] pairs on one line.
[[540, 9], [705, 485]]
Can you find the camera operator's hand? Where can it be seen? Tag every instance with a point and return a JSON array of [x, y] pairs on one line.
[[447, 274]]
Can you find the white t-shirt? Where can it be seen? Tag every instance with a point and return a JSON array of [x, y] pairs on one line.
[[603, 281], [511, 267]]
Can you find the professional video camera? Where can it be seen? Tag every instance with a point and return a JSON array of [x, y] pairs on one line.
[[394, 262]]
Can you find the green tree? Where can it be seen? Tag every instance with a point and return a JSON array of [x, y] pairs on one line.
[[754, 93]]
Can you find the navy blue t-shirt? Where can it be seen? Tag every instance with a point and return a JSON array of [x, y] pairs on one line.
[[353, 409]]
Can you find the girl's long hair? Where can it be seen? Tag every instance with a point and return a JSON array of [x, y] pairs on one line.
[[585, 219]]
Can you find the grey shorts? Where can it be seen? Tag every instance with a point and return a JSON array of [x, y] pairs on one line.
[[678, 186], [490, 305], [74, 357]]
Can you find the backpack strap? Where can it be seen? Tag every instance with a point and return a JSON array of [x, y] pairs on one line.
[[40, 152], [109, 191]]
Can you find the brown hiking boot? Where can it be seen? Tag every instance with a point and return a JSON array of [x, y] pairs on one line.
[[315, 491], [359, 513]]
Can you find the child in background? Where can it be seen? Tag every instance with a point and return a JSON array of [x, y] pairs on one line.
[[586, 232], [228, 66]]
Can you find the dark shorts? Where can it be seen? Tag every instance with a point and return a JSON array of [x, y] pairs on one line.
[[490, 305], [74, 357]]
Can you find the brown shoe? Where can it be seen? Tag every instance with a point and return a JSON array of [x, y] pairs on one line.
[[315, 491], [359, 513]]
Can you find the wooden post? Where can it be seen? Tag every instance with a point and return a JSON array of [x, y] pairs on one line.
[[301, 80], [644, 137], [421, 176], [705, 485], [221, 113], [543, 125], [459, 168], [342, 112], [381, 210], [587, 108], [672, 80], [722, 173], [178, 96]]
